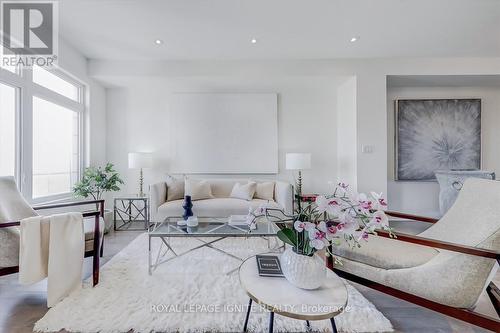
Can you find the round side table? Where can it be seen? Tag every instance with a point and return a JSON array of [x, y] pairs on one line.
[[279, 296]]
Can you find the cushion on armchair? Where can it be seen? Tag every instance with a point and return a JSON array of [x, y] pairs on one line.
[[88, 228], [386, 253], [9, 247]]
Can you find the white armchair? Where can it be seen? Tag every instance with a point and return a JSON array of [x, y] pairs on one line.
[[447, 267], [13, 208]]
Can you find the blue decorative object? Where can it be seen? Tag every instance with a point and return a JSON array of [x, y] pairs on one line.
[[188, 205]]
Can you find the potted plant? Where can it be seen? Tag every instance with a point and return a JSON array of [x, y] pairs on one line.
[[96, 181], [344, 216]]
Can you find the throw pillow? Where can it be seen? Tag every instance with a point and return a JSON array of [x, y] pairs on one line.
[[244, 192], [198, 189], [175, 188], [265, 191]]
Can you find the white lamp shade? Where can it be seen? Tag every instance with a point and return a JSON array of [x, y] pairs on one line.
[[298, 161], [140, 160]]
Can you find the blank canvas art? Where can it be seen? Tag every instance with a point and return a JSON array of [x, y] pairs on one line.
[[224, 133], [436, 134]]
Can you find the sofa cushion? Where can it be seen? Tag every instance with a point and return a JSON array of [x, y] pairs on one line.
[[221, 188], [386, 253], [265, 191], [217, 207], [244, 191], [175, 188], [198, 189]]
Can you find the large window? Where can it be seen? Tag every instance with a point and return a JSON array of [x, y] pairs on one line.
[[8, 108], [54, 82], [41, 121], [55, 148]]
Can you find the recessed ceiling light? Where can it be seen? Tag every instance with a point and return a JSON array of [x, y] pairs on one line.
[[253, 41], [354, 39], [158, 41]]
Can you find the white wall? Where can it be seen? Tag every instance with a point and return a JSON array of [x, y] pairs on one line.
[[371, 96], [75, 64], [138, 118], [96, 124], [346, 137], [422, 197]]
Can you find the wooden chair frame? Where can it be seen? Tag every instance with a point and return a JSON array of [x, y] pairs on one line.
[[466, 315], [95, 253]]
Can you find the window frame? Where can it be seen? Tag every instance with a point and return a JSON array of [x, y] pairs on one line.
[[26, 90], [17, 132]]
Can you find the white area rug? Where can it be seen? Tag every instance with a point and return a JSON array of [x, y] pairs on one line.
[[124, 299]]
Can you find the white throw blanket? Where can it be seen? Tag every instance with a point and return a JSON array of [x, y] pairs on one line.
[[52, 247]]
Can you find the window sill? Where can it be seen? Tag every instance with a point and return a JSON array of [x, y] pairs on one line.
[[57, 198]]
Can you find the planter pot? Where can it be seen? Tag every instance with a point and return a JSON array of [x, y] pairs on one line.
[[108, 220], [303, 271]]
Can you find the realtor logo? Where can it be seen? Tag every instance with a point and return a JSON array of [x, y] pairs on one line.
[[29, 32]]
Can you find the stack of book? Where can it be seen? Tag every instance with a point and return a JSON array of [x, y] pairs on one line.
[[269, 266], [238, 220]]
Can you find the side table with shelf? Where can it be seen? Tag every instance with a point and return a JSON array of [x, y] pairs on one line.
[[130, 210]]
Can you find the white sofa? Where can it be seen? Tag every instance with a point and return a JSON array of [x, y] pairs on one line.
[[221, 205]]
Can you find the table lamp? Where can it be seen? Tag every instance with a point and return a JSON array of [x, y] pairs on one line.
[[298, 161], [140, 161]]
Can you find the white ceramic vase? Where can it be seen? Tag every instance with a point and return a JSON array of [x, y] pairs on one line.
[[303, 271]]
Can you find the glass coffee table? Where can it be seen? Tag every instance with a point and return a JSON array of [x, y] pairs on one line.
[[209, 231]]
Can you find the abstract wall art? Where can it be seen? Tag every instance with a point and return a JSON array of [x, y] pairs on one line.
[[436, 134]]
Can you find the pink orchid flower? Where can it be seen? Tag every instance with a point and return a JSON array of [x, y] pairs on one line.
[[301, 226], [362, 235], [331, 206], [364, 204], [331, 232], [380, 202], [317, 237], [379, 220]]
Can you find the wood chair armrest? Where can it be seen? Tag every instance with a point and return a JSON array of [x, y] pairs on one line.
[[441, 245], [74, 203], [412, 217], [10, 224]]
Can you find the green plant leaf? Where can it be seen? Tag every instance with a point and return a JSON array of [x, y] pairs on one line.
[[97, 180], [287, 236]]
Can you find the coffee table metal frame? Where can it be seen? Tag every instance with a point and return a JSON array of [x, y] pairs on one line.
[[209, 227]]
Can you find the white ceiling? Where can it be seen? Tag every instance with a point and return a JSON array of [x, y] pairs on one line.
[[284, 29]]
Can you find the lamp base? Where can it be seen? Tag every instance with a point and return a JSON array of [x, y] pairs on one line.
[[141, 184], [298, 192]]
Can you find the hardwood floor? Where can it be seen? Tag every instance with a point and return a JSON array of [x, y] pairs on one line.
[[22, 306]]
